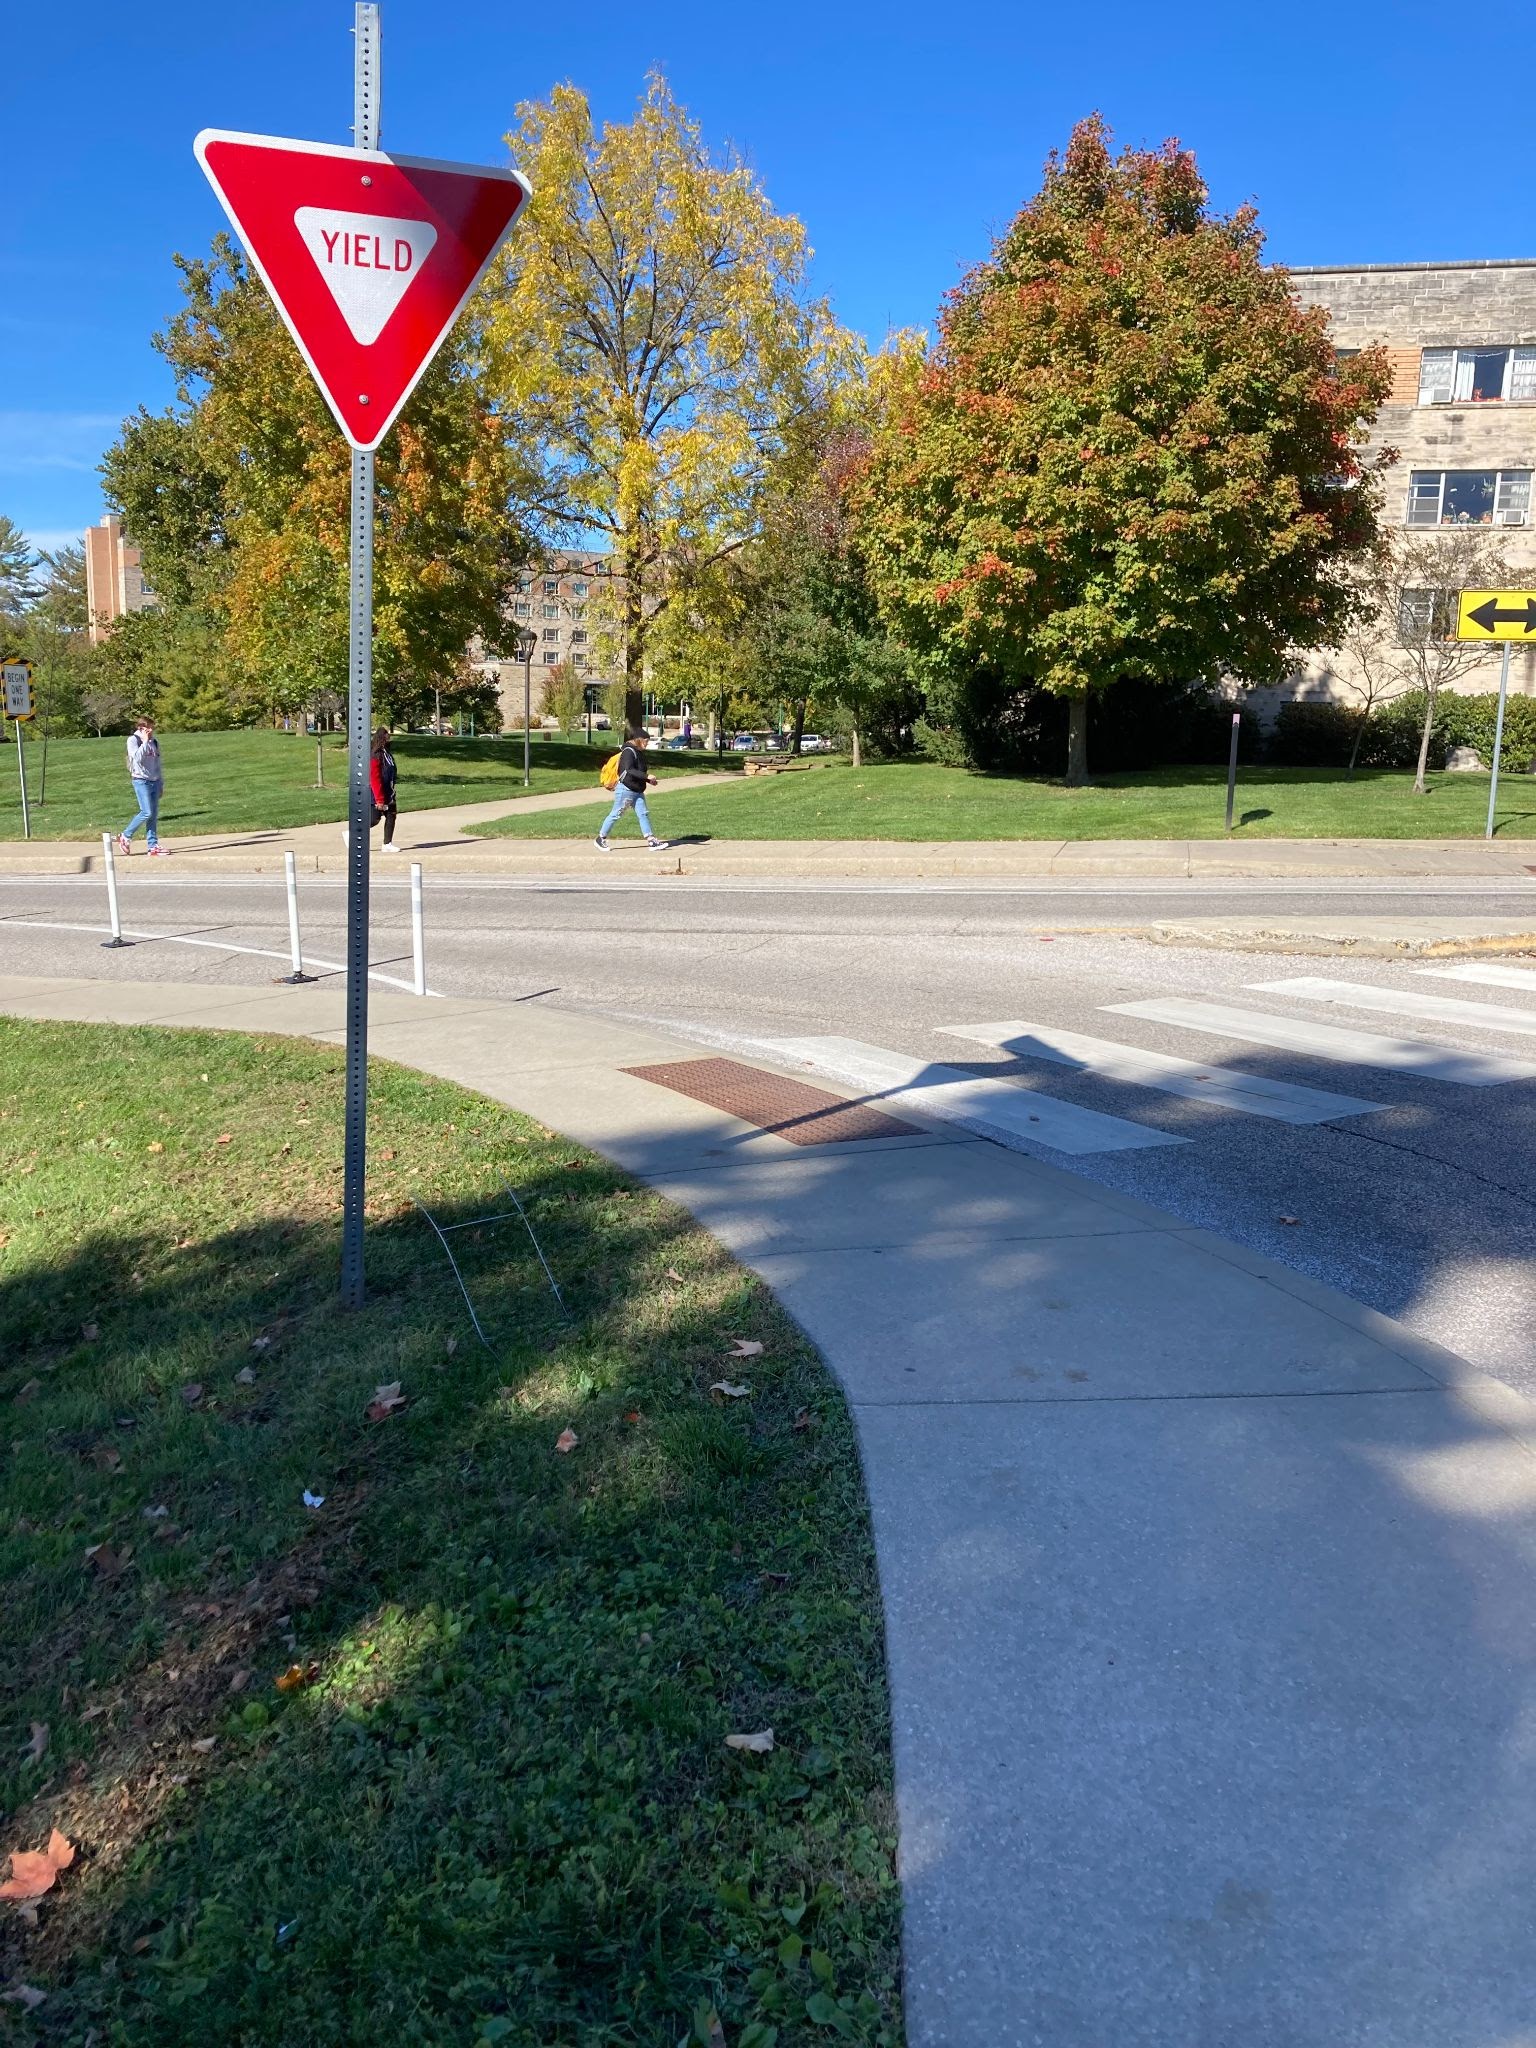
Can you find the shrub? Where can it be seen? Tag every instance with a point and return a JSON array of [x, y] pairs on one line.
[[983, 723], [1313, 735]]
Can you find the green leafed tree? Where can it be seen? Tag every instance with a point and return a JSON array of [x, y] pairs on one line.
[[18, 571], [652, 336], [1131, 453], [238, 495]]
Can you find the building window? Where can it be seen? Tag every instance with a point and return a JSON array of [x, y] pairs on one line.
[[551, 632], [578, 637], [1469, 497], [578, 661], [551, 611], [525, 583], [552, 586], [521, 611], [1476, 376], [552, 659], [577, 611], [578, 590], [1426, 615]]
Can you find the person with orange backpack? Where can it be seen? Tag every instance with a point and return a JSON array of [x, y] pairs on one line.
[[625, 774]]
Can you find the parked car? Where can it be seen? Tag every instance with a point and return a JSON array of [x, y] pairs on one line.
[[813, 743], [743, 743]]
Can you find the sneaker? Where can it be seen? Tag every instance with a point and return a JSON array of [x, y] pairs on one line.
[[601, 845], [159, 853], [124, 843], [390, 846], [657, 845]]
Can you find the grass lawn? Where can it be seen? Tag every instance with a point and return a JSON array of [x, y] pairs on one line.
[[244, 781], [444, 1759], [916, 800]]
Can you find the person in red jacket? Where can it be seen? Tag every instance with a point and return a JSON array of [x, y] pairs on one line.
[[382, 777]]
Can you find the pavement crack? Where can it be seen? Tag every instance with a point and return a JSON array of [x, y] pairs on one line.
[[1367, 1137]]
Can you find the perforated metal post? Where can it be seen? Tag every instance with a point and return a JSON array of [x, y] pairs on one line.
[[359, 737]]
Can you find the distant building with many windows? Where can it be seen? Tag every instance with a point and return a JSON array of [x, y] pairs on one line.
[[1461, 413], [114, 577], [570, 604]]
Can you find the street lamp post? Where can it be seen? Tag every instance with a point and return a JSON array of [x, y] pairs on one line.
[[525, 647]]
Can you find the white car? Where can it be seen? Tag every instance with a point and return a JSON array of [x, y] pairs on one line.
[[813, 743]]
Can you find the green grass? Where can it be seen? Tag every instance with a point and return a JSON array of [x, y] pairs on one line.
[[250, 781], [501, 1809], [920, 801]]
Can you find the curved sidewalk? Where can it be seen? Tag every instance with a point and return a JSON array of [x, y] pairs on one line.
[[1210, 1595]]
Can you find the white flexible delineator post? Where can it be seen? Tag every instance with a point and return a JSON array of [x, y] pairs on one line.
[[418, 936], [295, 944], [109, 856]]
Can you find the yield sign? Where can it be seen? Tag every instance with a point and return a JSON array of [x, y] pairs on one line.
[[369, 258]]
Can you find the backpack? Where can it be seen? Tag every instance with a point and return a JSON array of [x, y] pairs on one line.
[[608, 774]]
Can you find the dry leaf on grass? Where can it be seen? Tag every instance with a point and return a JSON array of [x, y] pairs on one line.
[[27, 1996], [674, 1276], [205, 1744], [802, 1419], [297, 1676], [155, 1514], [245, 1377], [260, 1343], [633, 1415], [239, 1680], [745, 1347], [154, 1145], [1287, 1219], [758, 1744], [451, 1345], [36, 1749], [731, 1393], [386, 1400], [90, 1332], [29, 1392], [224, 1138], [34, 1871], [107, 1458], [313, 1500], [567, 1440], [192, 1393], [109, 1562]]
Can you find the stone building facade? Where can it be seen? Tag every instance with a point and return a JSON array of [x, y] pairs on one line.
[[1461, 338], [570, 604], [114, 577]]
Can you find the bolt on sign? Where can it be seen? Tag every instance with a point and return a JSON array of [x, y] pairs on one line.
[[369, 258], [1496, 615]]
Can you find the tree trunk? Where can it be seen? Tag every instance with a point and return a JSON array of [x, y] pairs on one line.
[[858, 760], [1354, 752], [799, 732], [634, 650], [1429, 721], [1077, 740]]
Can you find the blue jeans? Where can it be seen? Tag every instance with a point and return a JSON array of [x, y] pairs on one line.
[[625, 799], [148, 794]]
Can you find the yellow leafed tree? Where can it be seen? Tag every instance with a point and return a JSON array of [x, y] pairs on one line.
[[649, 330]]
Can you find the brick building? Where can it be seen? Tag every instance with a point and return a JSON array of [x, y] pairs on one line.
[[570, 604], [114, 577], [1461, 413]]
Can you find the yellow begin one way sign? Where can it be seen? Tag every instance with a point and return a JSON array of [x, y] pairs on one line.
[[1496, 615]]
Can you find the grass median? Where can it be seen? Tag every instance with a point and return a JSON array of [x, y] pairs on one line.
[[255, 781], [920, 801], [444, 1757]]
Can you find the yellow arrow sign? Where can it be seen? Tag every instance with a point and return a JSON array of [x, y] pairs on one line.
[[1496, 615]]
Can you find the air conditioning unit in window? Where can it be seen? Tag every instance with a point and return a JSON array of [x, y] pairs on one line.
[[1509, 519]]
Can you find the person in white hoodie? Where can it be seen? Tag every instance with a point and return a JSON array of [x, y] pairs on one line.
[[148, 779]]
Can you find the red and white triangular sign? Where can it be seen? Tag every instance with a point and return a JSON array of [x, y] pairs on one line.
[[369, 258]]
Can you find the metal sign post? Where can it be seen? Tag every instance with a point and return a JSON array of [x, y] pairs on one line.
[[1498, 740], [18, 708], [365, 115], [1237, 726]]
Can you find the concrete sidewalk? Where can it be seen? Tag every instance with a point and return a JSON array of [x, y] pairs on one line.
[[1210, 1595]]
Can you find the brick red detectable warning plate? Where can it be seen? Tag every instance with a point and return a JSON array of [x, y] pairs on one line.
[[369, 258]]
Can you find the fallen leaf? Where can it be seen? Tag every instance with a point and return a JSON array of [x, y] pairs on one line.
[[634, 1415], [94, 1713], [451, 1345], [675, 1277], [29, 1392], [567, 1440], [205, 1744], [387, 1155], [775, 1578], [802, 1419], [245, 1377], [758, 1744], [313, 1500], [154, 1145], [732, 1393], [27, 1996], [109, 1562], [192, 1393], [745, 1347], [708, 2029], [138, 1947], [297, 1676], [90, 1332], [155, 1514], [1287, 1219], [35, 1871], [107, 1458], [37, 1748], [386, 1400], [285, 1148], [261, 1343], [224, 1138]]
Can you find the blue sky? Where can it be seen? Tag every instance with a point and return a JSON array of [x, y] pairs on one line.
[[904, 136]]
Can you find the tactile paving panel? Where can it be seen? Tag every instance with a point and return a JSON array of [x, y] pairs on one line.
[[787, 1109]]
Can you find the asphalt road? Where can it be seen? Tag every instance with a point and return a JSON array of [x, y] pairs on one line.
[[1424, 1207]]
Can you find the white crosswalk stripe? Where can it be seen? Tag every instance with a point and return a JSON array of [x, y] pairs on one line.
[[1410, 1002], [1332, 1041], [996, 1109], [1489, 973], [1254, 1094]]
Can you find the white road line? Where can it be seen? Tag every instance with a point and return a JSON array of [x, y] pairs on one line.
[[1410, 1002], [1490, 973], [1333, 1042], [1254, 1094], [1000, 1110], [37, 924]]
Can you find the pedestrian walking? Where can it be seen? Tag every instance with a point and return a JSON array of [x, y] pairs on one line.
[[382, 778], [630, 783], [148, 779]]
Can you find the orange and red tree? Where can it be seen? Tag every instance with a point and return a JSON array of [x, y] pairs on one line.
[[1131, 454]]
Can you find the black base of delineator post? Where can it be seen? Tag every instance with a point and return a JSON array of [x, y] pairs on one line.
[[291, 980], [110, 945]]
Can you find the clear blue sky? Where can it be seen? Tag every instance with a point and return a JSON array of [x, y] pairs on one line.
[[904, 136]]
